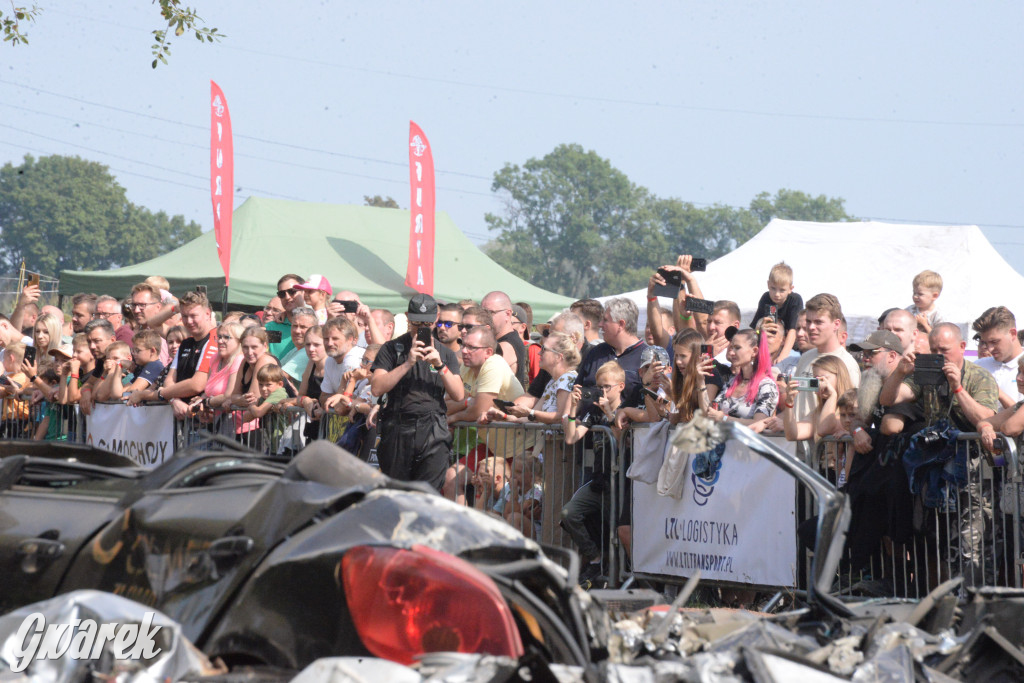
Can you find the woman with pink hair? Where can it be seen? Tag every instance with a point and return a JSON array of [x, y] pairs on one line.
[[751, 396]]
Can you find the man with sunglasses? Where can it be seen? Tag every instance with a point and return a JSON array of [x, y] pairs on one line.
[[446, 329], [291, 298], [411, 378]]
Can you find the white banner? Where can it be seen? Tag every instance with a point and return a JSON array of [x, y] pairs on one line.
[[143, 433], [738, 526]]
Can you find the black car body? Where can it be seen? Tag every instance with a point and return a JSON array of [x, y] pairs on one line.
[[254, 558]]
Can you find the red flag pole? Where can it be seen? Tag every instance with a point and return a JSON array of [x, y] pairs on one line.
[[222, 179], [419, 274]]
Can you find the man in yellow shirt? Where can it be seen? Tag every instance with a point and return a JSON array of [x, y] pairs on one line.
[[486, 377]]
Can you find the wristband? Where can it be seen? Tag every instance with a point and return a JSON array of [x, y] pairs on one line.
[[74, 376], [959, 389], [444, 370], [858, 429], [788, 405], [532, 415], [33, 378], [158, 396], [347, 394], [652, 299], [685, 318], [570, 418]]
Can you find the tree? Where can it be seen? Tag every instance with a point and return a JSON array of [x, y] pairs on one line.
[[381, 202], [575, 225], [66, 213], [798, 206], [179, 19], [563, 213]]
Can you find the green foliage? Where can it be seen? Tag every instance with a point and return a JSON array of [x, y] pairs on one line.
[[575, 225], [563, 214], [180, 20], [10, 24], [65, 213], [798, 206], [380, 202]]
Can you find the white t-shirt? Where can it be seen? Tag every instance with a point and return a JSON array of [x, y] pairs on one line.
[[334, 371], [805, 401], [1005, 374]]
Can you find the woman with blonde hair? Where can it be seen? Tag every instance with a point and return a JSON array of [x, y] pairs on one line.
[[46, 334], [693, 379], [833, 381]]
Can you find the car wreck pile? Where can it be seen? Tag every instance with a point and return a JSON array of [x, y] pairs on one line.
[[322, 569]]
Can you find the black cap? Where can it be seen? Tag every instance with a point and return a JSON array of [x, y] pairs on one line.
[[422, 309]]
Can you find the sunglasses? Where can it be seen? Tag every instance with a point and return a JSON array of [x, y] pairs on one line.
[[446, 324], [466, 328], [282, 293]]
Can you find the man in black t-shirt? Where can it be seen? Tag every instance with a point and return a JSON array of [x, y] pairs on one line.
[[621, 344], [510, 344], [190, 368], [412, 378], [99, 334]]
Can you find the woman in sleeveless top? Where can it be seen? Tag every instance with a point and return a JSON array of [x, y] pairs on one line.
[[309, 390], [245, 392], [223, 370]]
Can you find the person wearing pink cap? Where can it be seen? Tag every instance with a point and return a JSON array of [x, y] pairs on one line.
[[316, 291]]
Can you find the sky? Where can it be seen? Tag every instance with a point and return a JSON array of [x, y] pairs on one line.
[[910, 111]]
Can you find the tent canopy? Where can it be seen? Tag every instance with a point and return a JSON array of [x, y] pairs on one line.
[[359, 248], [869, 266]]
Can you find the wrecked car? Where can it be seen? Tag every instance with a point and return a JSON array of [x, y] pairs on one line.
[[281, 563], [291, 564]]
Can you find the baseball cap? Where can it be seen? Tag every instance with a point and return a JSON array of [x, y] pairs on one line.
[[422, 309], [64, 351], [879, 339], [520, 313], [316, 282]]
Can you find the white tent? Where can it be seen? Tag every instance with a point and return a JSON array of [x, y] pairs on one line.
[[869, 266]]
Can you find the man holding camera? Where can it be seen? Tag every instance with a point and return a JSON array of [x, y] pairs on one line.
[[621, 344], [412, 375], [967, 394], [963, 390]]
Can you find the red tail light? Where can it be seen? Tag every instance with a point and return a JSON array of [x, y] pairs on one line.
[[405, 603]]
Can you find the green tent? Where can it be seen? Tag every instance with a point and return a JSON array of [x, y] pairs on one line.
[[360, 248]]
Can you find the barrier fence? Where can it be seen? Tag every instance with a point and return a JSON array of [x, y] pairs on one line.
[[904, 545], [578, 496]]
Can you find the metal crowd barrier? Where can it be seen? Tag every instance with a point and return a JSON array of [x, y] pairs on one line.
[[577, 509], [40, 421], [280, 434], [975, 532]]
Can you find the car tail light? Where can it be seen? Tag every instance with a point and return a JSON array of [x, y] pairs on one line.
[[405, 603]]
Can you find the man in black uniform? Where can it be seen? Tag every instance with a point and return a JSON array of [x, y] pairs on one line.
[[411, 378]]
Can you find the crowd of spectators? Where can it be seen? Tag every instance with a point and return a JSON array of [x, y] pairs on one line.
[[408, 380]]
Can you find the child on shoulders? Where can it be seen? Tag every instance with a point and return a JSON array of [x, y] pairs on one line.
[[927, 287], [781, 304]]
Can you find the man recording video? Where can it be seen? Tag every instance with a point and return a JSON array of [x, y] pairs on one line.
[[969, 393]]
